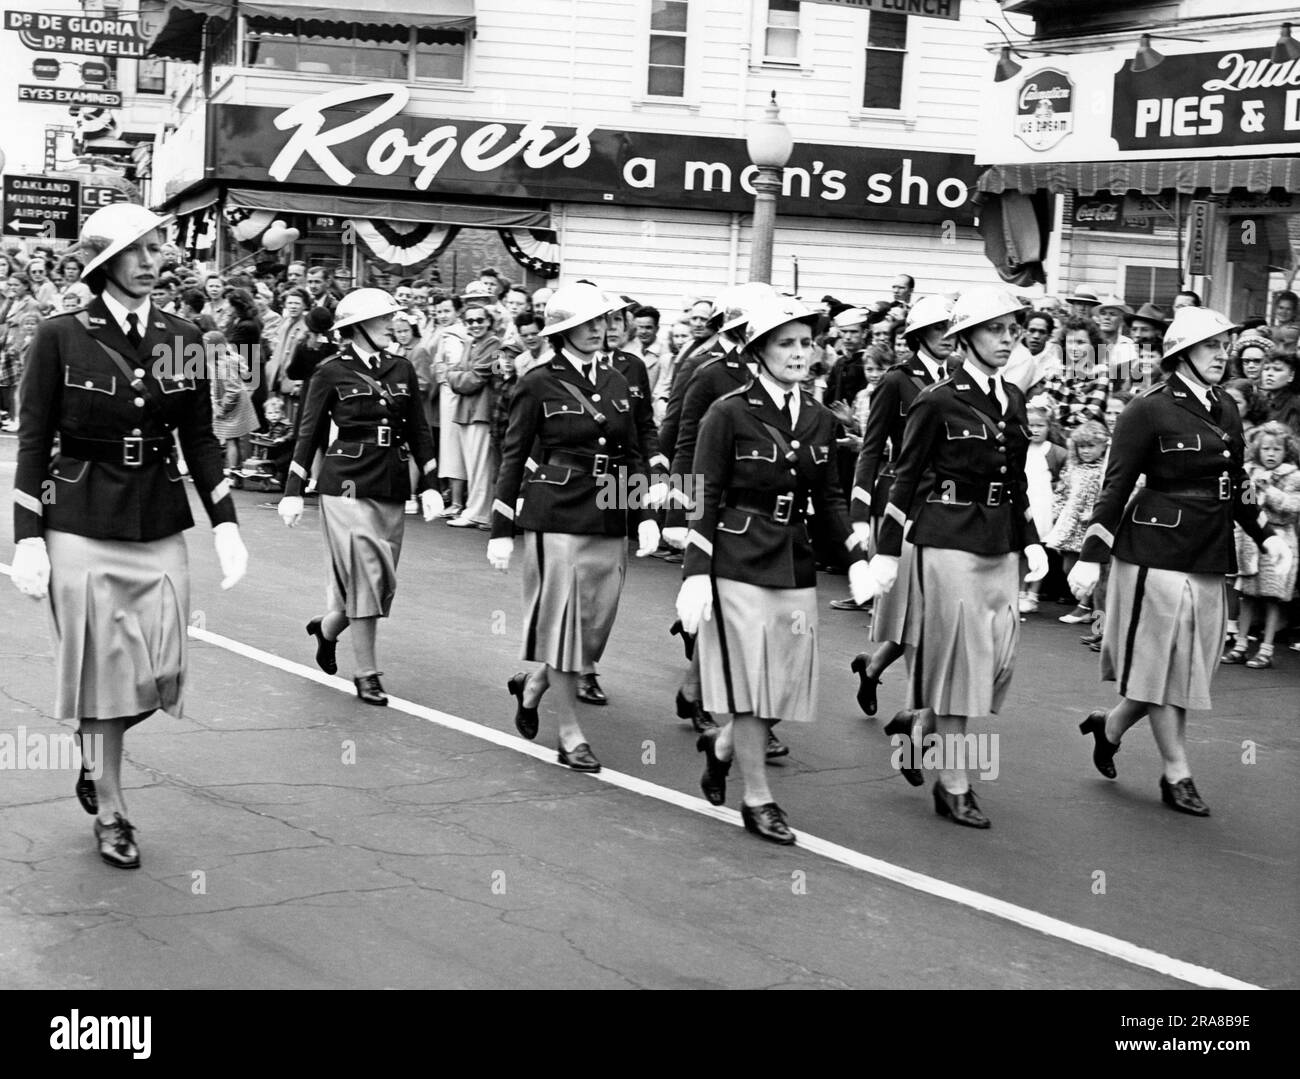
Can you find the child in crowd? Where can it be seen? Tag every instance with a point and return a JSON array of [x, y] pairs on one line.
[[1273, 467], [233, 416], [1081, 486], [1043, 472], [875, 362]]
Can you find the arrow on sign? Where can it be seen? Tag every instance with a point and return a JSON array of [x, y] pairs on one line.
[[23, 226]]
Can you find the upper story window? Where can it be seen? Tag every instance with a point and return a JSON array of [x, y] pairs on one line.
[[150, 75], [367, 52], [667, 69], [781, 34], [882, 87]]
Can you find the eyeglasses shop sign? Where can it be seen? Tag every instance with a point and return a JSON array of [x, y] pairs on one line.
[[86, 35], [358, 137]]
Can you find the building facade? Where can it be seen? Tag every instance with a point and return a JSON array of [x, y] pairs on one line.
[[600, 139]]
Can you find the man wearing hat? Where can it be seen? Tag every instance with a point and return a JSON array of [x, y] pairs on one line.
[[117, 383], [1147, 328], [1117, 351], [1082, 301]]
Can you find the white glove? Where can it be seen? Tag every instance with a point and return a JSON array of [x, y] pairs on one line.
[[695, 602], [499, 552], [431, 504], [290, 510], [1083, 579], [862, 535], [1037, 558], [1274, 547], [231, 553], [647, 538], [862, 584], [656, 496], [884, 570], [31, 568], [675, 537]]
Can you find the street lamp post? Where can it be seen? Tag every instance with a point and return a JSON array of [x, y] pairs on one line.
[[770, 146]]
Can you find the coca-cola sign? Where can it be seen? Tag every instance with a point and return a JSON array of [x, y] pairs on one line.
[[1105, 214], [1044, 108], [362, 138]]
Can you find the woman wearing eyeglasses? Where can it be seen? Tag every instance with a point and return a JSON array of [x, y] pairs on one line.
[[470, 379]]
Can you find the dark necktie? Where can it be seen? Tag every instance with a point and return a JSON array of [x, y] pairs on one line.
[[587, 370], [1215, 399], [788, 410], [133, 333], [993, 398]]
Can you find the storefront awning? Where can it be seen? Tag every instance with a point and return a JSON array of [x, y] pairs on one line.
[[1256, 174], [181, 26], [405, 13], [476, 215]]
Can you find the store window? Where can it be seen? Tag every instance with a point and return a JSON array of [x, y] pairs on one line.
[[1150, 284], [367, 52], [150, 76], [781, 35], [667, 68], [886, 54]]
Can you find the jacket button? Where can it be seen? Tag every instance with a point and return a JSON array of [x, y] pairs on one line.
[[967, 432], [89, 384], [1003, 469], [1153, 520], [600, 442], [1002, 425], [595, 397], [1227, 453], [136, 432], [1180, 445], [794, 444], [1002, 449], [383, 419], [139, 372], [138, 402], [383, 403], [793, 472]]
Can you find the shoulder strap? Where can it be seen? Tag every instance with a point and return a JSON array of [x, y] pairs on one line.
[[128, 372], [581, 398], [786, 450], [378, 387]]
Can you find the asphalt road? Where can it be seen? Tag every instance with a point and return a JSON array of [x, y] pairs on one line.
[[438, 859]]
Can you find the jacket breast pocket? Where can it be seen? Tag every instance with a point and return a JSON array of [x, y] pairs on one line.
[[1180, 443], [560, 408], [345, 449], [820, 454], [733, 521], [751, 450], [68, 469], [554, 474], [175, 385], [347, 393], [90, 381], [1156, 516], [620, 403], [400, 390], [959, 431]]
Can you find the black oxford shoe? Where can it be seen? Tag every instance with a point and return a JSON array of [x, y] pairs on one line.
[[1183, 797], [589, 690], [688, 640], [959, 808], [117, 843], [325, 650], [85, 786], [694, 711], [580, 758], [866, 684], [714, 780], [370, 690], [1103, 749], [775, 747], [901, 724], [525, 718], [767, 821]]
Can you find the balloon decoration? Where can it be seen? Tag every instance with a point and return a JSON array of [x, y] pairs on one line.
[[279, 236], [247, 225], [535, 249], [403, 243]]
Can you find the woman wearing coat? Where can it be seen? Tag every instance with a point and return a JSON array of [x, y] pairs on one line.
[[967, 438], [749, 588], [1169, 547], [108, 548], [573, 417], [470, 381], [373, 397]]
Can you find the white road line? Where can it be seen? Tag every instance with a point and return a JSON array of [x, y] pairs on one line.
[[1102, 943]]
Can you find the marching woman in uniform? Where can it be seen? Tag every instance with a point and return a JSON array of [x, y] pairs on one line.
[[971, 432], [575, 417], [750, 577], [1170, 546], [882, 440], [99, 525], [373, 396]]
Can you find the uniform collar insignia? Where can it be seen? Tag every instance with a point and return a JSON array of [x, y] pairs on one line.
[[962, 385], [1178, 393], [635, 391], [756, 401], [95, 320], [160, 325]]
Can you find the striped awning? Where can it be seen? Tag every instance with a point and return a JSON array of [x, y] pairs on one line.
[[1220, 175]]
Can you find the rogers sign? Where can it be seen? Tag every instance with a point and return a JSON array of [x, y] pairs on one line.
[[361, 137]]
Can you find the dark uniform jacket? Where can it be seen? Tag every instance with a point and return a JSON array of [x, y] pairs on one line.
[[587, 465], [1196, 486], [751, 523], [105, 421], [979, 498], [847, 377], [715, 378], [700, 353], [379, 432], [883, 437], [634, 370]]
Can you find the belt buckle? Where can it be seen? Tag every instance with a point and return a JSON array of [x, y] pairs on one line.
[[133, 451], [781, 511], [995, 493], [1225, 487], [384, 436], [600, 464]]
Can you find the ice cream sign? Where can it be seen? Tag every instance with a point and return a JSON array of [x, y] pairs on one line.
[[1044, 109]]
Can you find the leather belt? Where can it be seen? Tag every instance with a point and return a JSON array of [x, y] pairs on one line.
[[1220, 491], [597, 464], [370, 436], [988, 494], [133, 451], [781, 509]]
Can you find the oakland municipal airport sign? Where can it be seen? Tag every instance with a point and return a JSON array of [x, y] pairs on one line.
[[358, 137], [86, 35]]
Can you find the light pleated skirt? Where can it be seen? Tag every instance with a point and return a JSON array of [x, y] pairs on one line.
[[572, 586], [758, 653], [120, 611], [1164, 634], [363, 541], [964, 655]]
